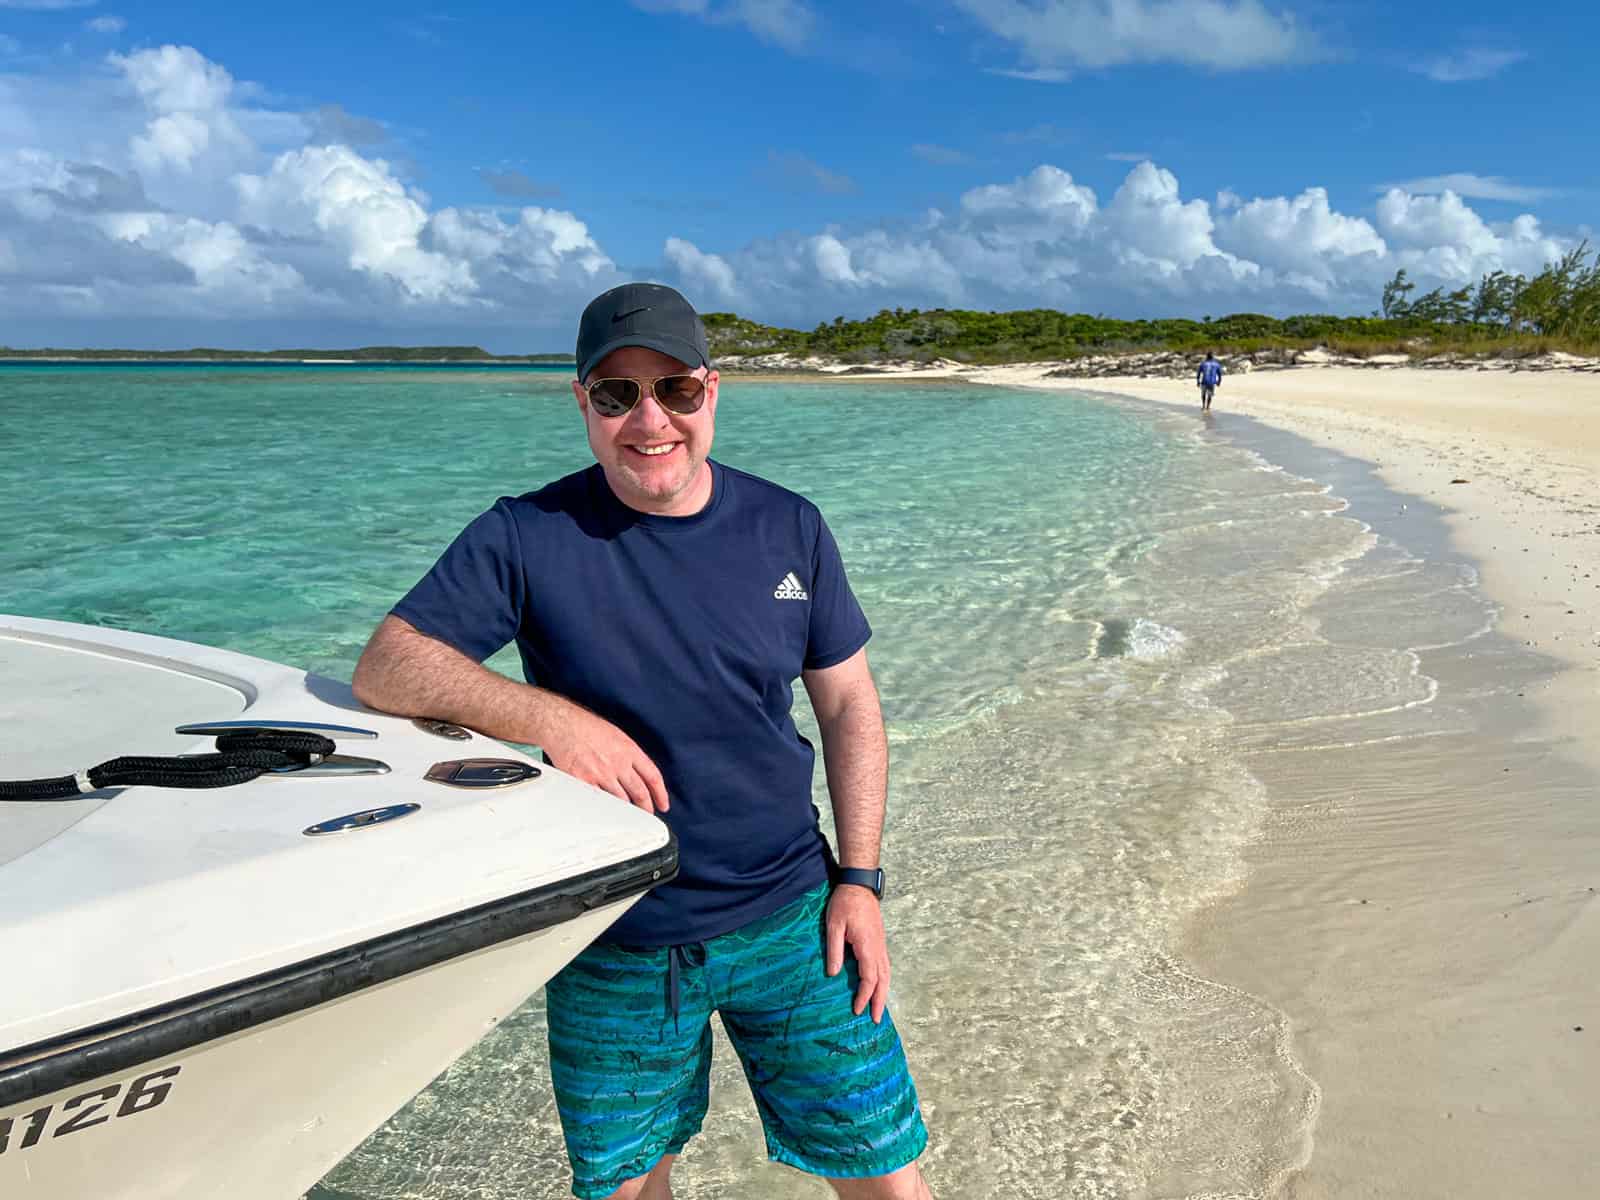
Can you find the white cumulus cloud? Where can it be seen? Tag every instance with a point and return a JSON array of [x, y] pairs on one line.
[[221, 260], [332, 194], [706, 275], [1044, 239], [1441, 237], [1155, 231], [1300, 239], [163, 187], [187, 100], [832, 259], [1046, 196], [176, 79]]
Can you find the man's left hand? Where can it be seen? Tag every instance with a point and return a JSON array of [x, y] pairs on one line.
[[855, 918]]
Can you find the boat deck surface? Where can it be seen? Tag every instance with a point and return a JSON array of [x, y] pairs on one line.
[[128, 898]]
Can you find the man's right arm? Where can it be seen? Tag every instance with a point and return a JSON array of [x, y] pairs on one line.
[[404, 671]]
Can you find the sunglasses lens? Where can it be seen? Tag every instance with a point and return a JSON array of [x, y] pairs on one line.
[[613, 397], [681, 394]]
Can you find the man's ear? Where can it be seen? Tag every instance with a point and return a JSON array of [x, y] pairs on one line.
[[581, 395]]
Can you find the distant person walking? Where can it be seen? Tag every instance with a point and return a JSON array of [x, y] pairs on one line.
[[1209, 377]]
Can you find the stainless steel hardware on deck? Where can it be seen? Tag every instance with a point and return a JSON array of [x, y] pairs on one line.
[[442, 729], [212, 728], [482, 772], [332, 764], [361, 820]]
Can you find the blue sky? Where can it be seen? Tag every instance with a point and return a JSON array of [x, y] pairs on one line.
[[175, 174]]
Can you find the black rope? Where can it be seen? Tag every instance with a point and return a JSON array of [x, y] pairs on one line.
[[241, 756]]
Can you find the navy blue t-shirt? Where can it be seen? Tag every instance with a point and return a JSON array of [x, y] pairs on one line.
[[688, 634]]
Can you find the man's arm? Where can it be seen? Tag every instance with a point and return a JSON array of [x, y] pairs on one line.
[[405, 671], [855, 754]]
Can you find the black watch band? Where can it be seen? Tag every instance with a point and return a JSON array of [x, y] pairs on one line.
[[872, 879]]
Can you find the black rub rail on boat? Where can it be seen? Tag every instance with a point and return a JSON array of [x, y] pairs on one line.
[[162, 1032]]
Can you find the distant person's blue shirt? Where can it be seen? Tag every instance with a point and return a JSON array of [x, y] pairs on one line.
[[688, 634], [1210, 372]]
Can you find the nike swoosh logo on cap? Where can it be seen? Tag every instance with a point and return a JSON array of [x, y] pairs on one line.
[[632, 312]]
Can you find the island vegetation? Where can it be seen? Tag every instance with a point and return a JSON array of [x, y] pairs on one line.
[[1503, 316]]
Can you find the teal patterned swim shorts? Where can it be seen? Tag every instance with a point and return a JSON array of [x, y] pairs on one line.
[[632, 1068]]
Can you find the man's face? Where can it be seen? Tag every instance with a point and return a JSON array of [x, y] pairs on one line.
[[654, 460]]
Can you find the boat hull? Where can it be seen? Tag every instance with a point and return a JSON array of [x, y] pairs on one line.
[[263, 1113]]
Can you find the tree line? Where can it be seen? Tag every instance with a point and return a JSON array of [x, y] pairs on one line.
[[1563, 300], [1510, 315]]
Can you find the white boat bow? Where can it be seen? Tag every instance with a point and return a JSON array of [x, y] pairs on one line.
[[221, 992]]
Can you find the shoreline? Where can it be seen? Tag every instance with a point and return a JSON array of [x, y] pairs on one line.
[[1421, 905], [1514, 463], [1154, 364], [1424, 910], [1513, 457]]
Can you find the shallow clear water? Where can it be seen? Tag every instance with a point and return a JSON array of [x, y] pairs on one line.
[[1082, 609]]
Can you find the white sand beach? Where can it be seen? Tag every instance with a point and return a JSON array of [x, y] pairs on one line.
[[1431, 925]]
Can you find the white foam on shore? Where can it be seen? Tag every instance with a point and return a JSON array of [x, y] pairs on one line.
[[1151, 640]]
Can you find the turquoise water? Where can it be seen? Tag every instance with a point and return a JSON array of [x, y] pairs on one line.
[[1080, 605]]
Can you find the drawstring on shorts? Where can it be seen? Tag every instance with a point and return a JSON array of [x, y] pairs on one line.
[[690, 954]]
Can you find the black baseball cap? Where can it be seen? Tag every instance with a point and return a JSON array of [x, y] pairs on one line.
[[641, 314]]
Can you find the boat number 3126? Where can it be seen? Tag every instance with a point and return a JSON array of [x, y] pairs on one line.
[[91, 1108]]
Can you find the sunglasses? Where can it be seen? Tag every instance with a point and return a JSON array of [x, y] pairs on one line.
[[681, 394]]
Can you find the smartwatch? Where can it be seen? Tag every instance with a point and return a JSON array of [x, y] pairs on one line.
[[872, 879]]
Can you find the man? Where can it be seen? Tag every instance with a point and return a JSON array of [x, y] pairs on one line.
[[1209, 377], [663, 605]]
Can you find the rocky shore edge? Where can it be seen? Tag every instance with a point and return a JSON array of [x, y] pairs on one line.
[[1161, 364]]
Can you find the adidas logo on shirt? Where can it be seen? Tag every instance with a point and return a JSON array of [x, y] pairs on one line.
[[789, 589]]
